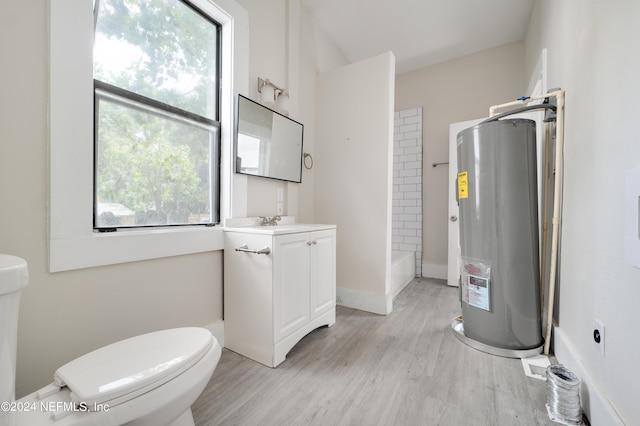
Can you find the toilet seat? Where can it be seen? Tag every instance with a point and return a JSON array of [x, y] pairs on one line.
[[154, 398], [126, 369]]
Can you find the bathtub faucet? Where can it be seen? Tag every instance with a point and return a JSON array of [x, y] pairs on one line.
[[270, 221]]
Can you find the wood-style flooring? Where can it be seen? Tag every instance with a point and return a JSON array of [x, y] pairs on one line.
[[406, 368]]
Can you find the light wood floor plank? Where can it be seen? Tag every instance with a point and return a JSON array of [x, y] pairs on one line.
[[406, 368]]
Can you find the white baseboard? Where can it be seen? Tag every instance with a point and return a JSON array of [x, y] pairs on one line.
[[594, 402], [364, 301], [217, 329], [397, 288], [432, 270], [403, 271]]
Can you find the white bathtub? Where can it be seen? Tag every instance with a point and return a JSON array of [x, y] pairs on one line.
[[403, 270]]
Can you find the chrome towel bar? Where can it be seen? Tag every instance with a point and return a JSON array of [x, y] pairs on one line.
[[265, 250]]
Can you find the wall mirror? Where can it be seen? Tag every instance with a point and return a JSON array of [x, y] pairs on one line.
[[267, 144]]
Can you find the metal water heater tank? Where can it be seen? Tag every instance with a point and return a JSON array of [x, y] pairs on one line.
[[500, 273]]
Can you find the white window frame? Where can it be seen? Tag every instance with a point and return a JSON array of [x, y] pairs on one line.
[[73, 244]]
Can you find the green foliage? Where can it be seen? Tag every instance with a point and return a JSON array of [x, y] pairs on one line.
[[145, 161]]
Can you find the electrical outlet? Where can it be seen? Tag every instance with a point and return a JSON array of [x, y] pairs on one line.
[[598, 335], [279, 201]]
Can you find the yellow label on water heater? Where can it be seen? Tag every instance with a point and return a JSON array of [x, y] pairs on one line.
[[463, 185]]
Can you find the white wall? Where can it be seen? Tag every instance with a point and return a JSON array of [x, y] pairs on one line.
[[458, 90], [268, 60], [353, 173], [594, 57], [288, 49], [317, 55]]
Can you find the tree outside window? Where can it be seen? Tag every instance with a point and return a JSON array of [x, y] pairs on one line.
[[156, 114]]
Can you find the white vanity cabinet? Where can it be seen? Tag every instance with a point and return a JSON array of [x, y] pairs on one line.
[[273, 300]]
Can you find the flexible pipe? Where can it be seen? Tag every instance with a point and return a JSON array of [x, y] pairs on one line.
[[559, 95], [563, 395]]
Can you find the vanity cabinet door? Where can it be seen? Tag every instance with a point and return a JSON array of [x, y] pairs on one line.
[[291, 271], [322, 271]]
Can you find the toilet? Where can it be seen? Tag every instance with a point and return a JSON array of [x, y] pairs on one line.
[[151, 379]]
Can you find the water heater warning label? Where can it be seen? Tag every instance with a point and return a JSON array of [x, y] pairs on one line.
[[475, 283], [463, 185], [479, 292]]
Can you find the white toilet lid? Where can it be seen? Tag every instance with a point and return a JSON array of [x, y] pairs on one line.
[[123, 370]]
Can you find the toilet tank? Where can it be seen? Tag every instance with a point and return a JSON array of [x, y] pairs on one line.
[[14, 277]]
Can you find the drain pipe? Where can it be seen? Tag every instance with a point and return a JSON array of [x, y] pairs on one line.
[[545, 210], [556, 216], [559, 95]]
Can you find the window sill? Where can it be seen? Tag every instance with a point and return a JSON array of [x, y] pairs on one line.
[[99, 249]]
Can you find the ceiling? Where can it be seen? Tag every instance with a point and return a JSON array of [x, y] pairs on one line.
[[420, 33]]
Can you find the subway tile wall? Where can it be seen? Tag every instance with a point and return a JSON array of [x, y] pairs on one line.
[[407, 183]]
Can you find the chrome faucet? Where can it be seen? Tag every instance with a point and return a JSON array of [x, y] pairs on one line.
[[270, 221]]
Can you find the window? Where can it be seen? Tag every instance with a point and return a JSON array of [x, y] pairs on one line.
[[73, 242], [156, 105]]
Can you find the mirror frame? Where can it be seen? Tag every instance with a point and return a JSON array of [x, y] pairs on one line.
[[235, 141]]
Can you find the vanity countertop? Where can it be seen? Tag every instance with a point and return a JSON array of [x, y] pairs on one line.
[[286, 225], [291, 228]]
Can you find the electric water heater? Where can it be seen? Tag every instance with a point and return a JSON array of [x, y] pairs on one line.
[[500, 273]]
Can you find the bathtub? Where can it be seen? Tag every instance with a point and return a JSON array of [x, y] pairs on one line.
[[403, 270]]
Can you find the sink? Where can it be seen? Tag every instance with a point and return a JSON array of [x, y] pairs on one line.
[[290, 228], [287, 225]]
